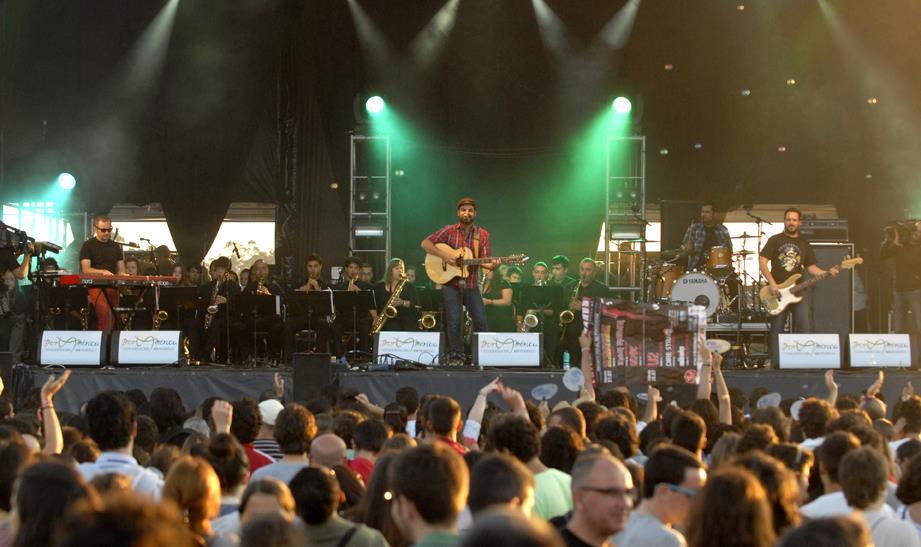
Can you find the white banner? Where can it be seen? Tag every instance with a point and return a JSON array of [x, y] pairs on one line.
[[880, 350], [507, 349], [147, 347], [72, 348], [421, 347], [809, 350]]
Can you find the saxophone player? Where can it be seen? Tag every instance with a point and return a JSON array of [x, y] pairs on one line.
[[585, 287], [259, 282], [209, 334], [406, 318]]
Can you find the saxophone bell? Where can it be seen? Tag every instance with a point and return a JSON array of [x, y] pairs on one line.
[[531, 320], [428, 321], [159, 318]]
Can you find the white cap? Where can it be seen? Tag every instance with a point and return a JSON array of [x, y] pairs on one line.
[[269, 410]]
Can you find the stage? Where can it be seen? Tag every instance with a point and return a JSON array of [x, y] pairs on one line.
[[195, 384]]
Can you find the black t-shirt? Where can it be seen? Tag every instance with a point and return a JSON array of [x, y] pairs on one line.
[[788, 255], [102, 256], [7, 260], [710, 240], [907, 259], [571, 540]]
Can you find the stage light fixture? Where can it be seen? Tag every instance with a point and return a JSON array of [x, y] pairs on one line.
[[67, 181], [622, 105], [374, 104]]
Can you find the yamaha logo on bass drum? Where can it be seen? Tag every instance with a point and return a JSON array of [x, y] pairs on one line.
[[694, 280]]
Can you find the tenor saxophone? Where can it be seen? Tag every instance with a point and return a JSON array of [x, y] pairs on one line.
[[212, 306], [389, 311]]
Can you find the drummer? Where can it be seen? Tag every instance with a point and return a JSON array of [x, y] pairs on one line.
[[702, 236]]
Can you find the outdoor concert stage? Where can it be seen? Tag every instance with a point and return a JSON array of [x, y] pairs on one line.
[[195, 384]]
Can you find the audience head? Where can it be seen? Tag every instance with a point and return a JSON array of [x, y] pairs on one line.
[[166, 409], [862, 475], [229, 460], [500, 480], [515, 435], [370, 435], [815, 415], [732, 509], [832, 451], [780, 486], [43, 493], [602, 494], [620, 431], [844, 531], [194, 487], [909, 412], [503, 528], [266, 496], [673, 476], [756, 437], [246, 420], [444, 416], [430, 485], [559, 448], [689, 431], [569, 416], [294, 429], [124, 521], [111, 418], [271, 530], [328, 450]]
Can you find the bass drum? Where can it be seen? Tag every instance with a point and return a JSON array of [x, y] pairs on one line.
[[699, 289]]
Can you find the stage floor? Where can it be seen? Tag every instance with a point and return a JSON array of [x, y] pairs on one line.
[[195, 384]]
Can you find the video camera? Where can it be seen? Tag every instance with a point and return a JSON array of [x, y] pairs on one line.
[[17, 241]]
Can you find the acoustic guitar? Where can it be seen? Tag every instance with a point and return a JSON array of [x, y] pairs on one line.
[[442, 272]]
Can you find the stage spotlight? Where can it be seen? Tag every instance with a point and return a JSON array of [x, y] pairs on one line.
[[374, 105], [622, 105], [67, 181]]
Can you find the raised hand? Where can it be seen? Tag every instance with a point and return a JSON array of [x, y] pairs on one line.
[[52, 385]]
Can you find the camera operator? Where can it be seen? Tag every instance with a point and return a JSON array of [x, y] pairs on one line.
[[13, 308], [902, 243], [13, 243]]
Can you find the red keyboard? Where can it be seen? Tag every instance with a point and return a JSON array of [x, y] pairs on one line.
[[117, 280]]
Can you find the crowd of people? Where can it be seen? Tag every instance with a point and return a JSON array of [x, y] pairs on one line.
[[136, 469]]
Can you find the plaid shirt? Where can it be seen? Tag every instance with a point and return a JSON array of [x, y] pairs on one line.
[[455, 236], [696, 235]]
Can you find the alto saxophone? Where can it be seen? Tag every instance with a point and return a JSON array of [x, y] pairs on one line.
[[389, 311], [261, 289], [567, 316], [159, 318], [212, 306]]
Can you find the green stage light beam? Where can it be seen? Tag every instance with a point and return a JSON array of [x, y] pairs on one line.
[[375, 104], [66, 181], [622, 105]]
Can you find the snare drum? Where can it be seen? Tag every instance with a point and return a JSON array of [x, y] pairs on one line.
[[719, 261], [697, 288]]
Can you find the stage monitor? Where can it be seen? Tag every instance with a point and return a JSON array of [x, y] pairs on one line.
[[312, 374], [146, 347], [880, 350], [809, 351], [418, 347], [507, 349], [73, 348]]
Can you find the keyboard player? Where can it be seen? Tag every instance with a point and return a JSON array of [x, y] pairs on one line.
[[102, 256]]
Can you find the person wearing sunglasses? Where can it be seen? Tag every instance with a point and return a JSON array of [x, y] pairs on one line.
[[673, 475], [100, 255]]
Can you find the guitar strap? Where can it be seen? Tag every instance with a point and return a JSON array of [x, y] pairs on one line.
[[476, 242]]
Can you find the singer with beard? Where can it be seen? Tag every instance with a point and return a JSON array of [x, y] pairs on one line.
[[462, 292], [100, 255]]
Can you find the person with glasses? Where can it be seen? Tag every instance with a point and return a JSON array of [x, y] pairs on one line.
[[102, 256], [602, 497], [673, 476]]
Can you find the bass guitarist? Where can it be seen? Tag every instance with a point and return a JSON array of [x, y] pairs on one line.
[[462, 292], [789, 253]]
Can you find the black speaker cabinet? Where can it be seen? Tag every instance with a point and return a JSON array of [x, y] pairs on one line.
[[833, 298], [676, 216], [312, 373], [6, 370]]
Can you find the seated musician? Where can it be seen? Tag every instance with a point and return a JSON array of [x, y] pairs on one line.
[[497, 298], [209, 335], [559, 271], [346, 321], [305, 319], [585, 287], [132, 266], [244, 277], [405, 303], [102, 256], [179, 273], [162, 261], [411, 275], [367, 273], [13, 309], [260, 285], [702, 236], [194, 275], [138, 318]]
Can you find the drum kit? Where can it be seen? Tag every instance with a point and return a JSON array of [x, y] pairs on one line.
[[716, 285]]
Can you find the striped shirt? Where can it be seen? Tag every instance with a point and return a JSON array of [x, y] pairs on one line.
[[457, 238], [269, 447], [143, 481]]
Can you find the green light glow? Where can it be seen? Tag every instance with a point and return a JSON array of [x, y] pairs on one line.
[[374, 105], [622, 105]]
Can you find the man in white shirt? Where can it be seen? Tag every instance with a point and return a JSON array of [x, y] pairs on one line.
[[832, 503], [112, 421], [863, 475]]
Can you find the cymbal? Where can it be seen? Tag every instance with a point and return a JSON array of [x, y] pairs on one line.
[[743, 236], [638, 240], [743, 253]]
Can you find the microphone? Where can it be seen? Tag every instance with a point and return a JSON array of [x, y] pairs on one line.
[[144, 239], [235, 250]]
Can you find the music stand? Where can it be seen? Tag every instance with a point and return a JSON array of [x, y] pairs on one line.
[[429, 299], [353, 302], [256, 306], [176, 300], [543, 298]]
